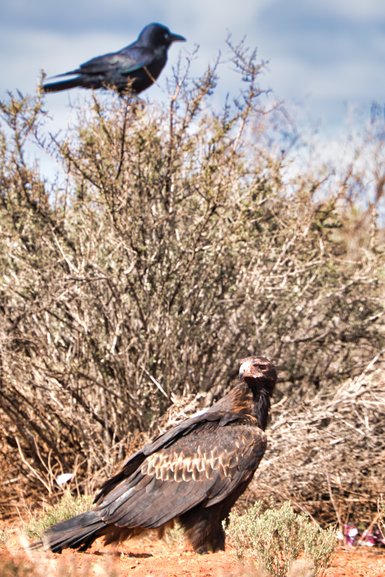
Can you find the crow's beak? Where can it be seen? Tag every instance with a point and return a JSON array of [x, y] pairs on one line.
[[177, 38]]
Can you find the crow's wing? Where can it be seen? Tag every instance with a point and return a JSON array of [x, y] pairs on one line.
[[125, 62], [202, 468]]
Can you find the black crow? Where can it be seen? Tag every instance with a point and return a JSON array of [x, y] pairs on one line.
[[134, 68]]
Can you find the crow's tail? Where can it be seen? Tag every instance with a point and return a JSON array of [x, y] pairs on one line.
[[62, 85], [77, 533]]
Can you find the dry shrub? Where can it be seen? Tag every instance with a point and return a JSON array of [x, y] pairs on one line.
[[327, 454], [177, 243], [381, 515]]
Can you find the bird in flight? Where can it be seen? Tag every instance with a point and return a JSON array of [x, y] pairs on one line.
[[132, 69], [193, 473]]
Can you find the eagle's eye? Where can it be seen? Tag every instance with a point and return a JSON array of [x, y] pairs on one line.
[[261, 366]]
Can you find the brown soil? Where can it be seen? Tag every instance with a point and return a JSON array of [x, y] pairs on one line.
[[150, 558]]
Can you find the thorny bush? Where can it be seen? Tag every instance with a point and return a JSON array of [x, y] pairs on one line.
[[175, 240]]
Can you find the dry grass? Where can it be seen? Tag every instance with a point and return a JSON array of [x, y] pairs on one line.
[[66, 508], [41, 566]]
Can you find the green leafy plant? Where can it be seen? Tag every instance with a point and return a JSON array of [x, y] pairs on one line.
[[276, 538]]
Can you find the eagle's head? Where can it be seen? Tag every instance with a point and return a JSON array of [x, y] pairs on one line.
[[259, 372]]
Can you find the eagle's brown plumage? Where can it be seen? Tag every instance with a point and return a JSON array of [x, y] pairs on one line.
[[193, 473]]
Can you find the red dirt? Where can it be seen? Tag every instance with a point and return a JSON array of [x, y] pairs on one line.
[[150, 558]]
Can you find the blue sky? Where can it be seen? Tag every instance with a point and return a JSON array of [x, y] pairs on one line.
[[324, 57]]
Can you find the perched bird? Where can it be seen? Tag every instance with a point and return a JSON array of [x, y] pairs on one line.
[[134, 68], [193, 473]]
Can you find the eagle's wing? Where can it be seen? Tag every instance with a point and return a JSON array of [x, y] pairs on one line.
[[183, 429], [203, 468]]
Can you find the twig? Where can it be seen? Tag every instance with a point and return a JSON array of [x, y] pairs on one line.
[[156, 383]]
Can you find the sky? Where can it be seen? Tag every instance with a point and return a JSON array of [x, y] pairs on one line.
[[325, 58]]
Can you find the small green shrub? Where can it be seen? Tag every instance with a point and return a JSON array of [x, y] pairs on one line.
[[277, 537], [175, 536], [67, 507]]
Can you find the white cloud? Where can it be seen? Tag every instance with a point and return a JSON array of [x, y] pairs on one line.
[[360, 10]]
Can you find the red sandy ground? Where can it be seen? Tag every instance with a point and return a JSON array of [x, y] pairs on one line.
[[153, 558]]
